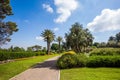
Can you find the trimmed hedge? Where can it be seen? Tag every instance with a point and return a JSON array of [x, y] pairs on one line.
[[14, 55], [71, 60], [103, 61], [74, 60], [105, 51]]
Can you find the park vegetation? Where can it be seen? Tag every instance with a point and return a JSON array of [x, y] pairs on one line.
[[89, 54], [77, 45]]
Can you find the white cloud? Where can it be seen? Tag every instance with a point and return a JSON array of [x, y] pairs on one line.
[[56, 29], [64, 9], [39, 38], [108, 20], [48, 8]]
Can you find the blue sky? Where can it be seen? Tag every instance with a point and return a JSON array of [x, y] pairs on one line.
[[101, 17]]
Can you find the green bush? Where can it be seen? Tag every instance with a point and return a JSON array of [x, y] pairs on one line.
[[67, 61], [14, 55], [105, 51], [81, 60], [103, 61], [71, 60]]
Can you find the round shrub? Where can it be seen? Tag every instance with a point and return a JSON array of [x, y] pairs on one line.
[[72, 60], [67, 61]]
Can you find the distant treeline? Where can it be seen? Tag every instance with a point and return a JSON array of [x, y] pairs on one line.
[[113, 41]]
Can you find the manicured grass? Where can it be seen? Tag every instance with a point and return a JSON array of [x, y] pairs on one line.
[[91, 74], [11, 69]]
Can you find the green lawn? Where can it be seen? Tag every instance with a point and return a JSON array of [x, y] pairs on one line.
[[91, 74], [9, 70]]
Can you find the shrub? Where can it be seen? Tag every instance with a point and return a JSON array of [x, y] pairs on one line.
[[81, 60], [39, 53], [105, 51], [103, 61], [67, 61], [71, 60]]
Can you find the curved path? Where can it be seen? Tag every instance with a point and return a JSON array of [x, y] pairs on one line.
[[42, 71]]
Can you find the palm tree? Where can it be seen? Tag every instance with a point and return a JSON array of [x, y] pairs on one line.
[[59, 39], [48, 36]]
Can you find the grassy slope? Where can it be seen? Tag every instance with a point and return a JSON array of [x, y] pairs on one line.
[[91, 74], [9, 70]]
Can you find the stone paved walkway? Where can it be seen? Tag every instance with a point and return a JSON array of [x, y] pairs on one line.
[[42, 71]]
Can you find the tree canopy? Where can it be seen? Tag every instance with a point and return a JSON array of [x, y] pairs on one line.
[[54, 47], [6, 28], [114, 41], [78, 39]]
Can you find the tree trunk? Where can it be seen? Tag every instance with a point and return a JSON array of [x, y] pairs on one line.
[[59, 47], [48, 48]]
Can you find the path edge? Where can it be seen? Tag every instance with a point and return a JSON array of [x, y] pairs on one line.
[[59, 75]]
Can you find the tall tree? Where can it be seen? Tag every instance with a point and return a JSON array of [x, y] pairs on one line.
[[114, 41], [59, 39], [48, 36], [112, 38], [78, 38], [6, 28], [111, 41], [118, 37], [96, 44]]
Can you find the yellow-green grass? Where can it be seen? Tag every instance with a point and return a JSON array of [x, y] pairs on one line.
[[11, 69], [90, 74]]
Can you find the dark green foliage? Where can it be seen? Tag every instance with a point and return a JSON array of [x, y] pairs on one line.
[[104, 61], [114, 41], [105, 51], [6, 28], [118, 37], [54, 47], [71, 60]]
